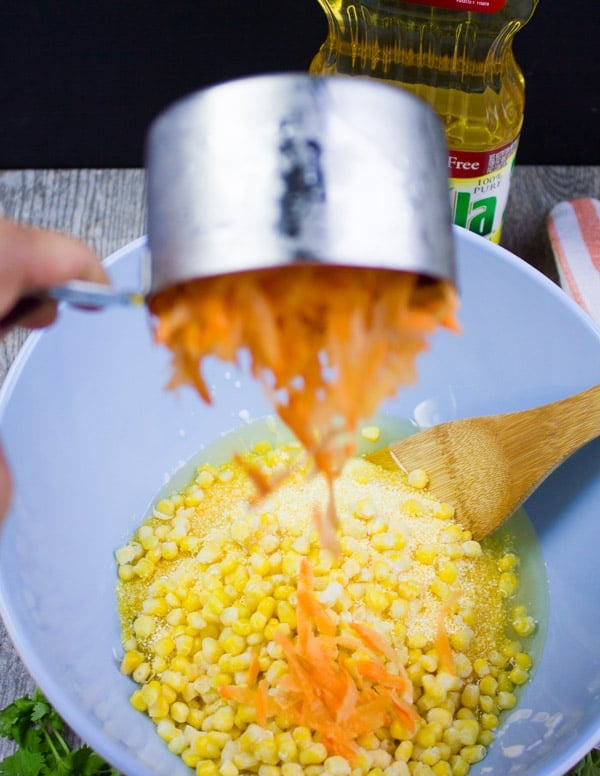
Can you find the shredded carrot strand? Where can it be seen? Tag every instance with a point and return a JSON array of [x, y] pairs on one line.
[[324, 689], [262, 702], [377, 672], [316, 335], [253, 670], [442, 642], [238, 693]]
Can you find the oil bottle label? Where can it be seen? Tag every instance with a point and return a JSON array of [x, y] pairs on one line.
[[479, 183], [479, 6]]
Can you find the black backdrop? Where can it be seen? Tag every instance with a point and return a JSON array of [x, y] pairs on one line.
[[80, 80]]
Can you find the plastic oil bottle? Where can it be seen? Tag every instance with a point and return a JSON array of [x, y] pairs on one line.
[[457, 55]]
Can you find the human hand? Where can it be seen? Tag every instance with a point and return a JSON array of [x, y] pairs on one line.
[[33, 259]]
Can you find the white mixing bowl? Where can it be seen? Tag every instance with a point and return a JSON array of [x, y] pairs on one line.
[[91, 433]]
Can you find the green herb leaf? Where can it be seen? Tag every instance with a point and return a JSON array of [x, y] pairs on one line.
[[35, 726], [22, 763], [589, 766], [85, 762]]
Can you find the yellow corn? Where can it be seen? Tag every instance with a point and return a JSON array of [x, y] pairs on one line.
[[418, 478], [200, 627], [370, 433], [313, 754]]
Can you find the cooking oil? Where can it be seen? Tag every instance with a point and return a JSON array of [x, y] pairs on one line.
[[456, 55]]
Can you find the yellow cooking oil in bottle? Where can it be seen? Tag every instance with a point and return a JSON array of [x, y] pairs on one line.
[[457, 55]]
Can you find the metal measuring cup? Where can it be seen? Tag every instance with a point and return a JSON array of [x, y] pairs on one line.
[[277, 170]]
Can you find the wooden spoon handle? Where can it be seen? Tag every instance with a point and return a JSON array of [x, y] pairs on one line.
[[537, 441]]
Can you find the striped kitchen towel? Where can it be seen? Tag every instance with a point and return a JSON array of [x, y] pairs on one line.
[[574, 230]]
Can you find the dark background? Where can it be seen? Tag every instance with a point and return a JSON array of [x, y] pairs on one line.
[[80, 80]]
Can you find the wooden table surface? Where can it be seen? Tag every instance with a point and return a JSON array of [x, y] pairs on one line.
[[107, 209]]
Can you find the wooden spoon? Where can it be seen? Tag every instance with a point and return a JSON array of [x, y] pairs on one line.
[[488, 466]]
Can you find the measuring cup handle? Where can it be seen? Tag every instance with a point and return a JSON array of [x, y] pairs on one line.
[[80, 293]]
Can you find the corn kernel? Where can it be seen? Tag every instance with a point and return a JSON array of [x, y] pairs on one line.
[[179, 711], [159, 709], [207, 768], [508, 562], [524, 626], [418, 478], [467, 729], [426, 554], [441, 716], [205, 478], [313, 754], [143, 626], [268, 770], [286, 747], [506, 700], [292, 769], [126, 554], [440, 589], [444, 511], [461, 639], [167, 730], [376, 598], [245, 761], [187, 544], [404, 750], [206, 747], [447, 571], [223, 719], [131, 660], [142, 672], [523, 660], [429, 735], [508, 584], [126, 572], [302, 736], [472, 754], [136, 699], [489, 721], [228, 768], [370, 433], [488, 685], [460, 767], [518, 676], [169, 694]]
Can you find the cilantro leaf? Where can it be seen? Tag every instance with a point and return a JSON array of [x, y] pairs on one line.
[[85, 762], [15, 720], [35, 726], [22, 763], [589, 766]]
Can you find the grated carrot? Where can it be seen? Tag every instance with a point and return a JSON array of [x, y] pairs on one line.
[[442, 642], [253, 670], [262, 702], [325, 689], [328, 344]]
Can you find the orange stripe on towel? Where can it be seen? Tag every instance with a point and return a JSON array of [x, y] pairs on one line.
[[565, 267], [589, 225]]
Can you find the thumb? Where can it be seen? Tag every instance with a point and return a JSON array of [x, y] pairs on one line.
[[5, 485]]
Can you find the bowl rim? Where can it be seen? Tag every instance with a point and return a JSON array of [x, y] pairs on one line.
[[33, 658]]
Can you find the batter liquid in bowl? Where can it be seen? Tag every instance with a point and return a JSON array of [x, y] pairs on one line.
[[256, 650]]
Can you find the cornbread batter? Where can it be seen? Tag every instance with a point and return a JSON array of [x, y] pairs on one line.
[[231, 610]]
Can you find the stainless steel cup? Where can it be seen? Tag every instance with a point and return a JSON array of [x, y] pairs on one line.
[[279, 169]]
